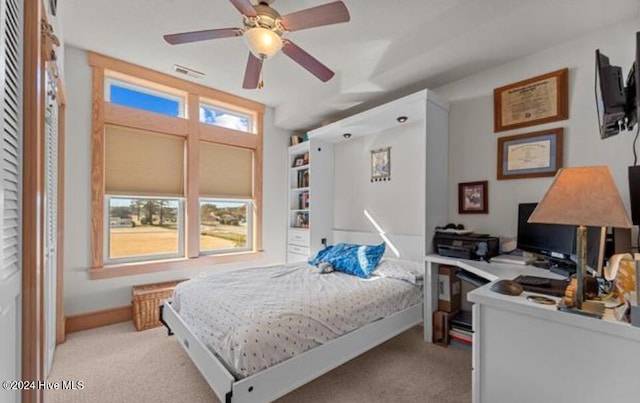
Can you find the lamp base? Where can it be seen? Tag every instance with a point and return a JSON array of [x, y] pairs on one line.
[[593, 309]]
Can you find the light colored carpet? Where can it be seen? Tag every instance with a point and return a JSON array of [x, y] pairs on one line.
[[118, 364]]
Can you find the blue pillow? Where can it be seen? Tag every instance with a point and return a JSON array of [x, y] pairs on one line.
[[357, 260], [318, 259]]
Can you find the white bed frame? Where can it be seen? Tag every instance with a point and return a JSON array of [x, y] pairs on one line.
[[274, 382]]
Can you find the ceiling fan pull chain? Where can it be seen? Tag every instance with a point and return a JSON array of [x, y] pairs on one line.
[[261, 81]]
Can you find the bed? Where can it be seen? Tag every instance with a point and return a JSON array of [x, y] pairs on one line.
[[257, 334]]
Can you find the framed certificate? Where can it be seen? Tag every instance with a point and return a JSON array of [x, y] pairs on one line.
[[530, 155], [531, 102]]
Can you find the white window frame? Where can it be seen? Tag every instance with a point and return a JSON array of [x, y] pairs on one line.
[[108, 81], [236, 113], [143, 258], [250, 212]]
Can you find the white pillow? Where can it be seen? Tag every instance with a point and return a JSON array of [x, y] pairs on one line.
[[412, 272]]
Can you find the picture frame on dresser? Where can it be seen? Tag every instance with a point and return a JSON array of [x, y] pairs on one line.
[[530, 155]]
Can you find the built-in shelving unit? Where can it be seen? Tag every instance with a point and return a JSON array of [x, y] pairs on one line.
[[310, 201]]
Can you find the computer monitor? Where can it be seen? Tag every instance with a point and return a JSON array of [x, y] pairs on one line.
[[558, 242]]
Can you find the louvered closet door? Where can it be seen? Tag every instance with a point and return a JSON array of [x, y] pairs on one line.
[[51, 218], [11, 14]]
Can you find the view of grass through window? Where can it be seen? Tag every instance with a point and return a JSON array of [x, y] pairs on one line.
[[143, 227], [224, 225]]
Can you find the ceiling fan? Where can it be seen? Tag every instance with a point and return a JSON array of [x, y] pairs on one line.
[[263, 31]]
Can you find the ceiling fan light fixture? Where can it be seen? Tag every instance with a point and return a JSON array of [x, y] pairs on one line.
[[263, 42]]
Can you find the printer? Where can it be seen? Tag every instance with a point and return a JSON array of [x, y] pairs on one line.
[[467, 246]]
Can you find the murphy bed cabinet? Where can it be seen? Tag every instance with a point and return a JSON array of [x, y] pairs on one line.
[[423, 110]]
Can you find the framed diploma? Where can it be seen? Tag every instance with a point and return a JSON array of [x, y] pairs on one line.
[[530, 155], [531, 102]]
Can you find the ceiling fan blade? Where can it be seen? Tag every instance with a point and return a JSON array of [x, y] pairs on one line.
[[252, 73], [332, 13], [195, 36], [310, 63], [245, 7]]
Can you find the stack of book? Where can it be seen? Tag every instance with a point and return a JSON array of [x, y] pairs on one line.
[[303, 201], [460, 329], [303, 178]]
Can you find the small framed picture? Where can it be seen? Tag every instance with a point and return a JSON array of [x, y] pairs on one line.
[[473, 197], [299, 161], [381, 165]]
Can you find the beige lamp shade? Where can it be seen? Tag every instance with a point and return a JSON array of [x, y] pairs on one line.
[[582, 196]]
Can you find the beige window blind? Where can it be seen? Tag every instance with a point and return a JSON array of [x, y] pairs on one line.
[[141, 163], [225, 171]]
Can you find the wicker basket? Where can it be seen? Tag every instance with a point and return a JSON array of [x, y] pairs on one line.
[[146, 300]]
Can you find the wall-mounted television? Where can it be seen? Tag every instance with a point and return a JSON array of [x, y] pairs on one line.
[[617, 102]]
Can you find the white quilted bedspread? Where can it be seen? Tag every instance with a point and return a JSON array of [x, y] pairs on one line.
[[255, 318]]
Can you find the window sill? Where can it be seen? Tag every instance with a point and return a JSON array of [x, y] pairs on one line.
[[131, 269]]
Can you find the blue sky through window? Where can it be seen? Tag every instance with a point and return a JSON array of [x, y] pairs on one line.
[[220, 117], [137, 99]]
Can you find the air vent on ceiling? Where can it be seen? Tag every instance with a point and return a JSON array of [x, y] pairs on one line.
[[187, 71]]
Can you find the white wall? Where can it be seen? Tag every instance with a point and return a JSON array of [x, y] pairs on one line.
[[397, 205], [472, 147], [84, 295]]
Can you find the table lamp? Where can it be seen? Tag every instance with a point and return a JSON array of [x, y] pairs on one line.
[[585, 197]]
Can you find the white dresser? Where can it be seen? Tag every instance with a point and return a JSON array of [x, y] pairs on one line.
[[529, 353]]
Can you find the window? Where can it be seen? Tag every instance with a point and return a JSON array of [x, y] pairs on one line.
[[225, 225], [144, 184], [176, 180], [144, 228], [216, 116], [140, 97]]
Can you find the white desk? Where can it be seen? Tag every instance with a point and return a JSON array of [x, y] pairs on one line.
[[489, 271], [529, 353]]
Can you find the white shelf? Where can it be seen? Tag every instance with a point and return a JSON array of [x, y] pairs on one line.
[[319, 214], [300, 168]]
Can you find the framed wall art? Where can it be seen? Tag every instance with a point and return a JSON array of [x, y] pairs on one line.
[[530, 155], [473, 197], [381, 165], [531, 102]]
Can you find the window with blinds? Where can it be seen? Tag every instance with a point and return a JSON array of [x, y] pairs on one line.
[[144, 187], [225, 171], [193, 189], [226, 186]]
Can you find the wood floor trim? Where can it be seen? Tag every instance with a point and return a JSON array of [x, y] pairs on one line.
[[92, 320]]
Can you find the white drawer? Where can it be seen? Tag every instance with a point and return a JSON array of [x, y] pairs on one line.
[[297, 237], [295, 258], [300, 250]]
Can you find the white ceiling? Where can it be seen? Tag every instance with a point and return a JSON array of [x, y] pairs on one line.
[[387, 45]]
